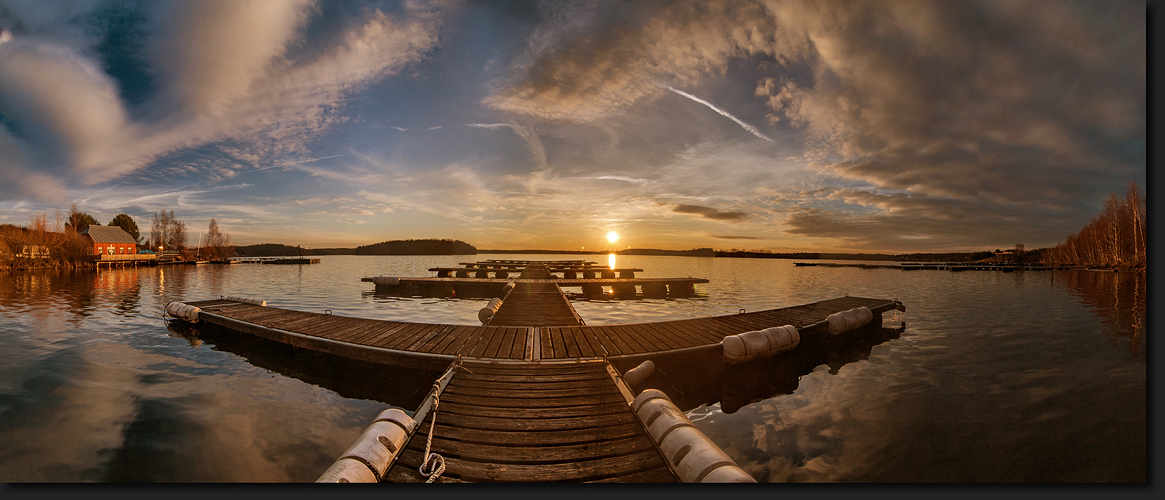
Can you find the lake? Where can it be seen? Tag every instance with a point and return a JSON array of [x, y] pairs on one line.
[[1036, 376]]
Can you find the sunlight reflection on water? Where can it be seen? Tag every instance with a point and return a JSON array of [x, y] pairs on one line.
[[998, 376]]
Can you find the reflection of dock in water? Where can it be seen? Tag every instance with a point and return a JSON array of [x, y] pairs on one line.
[[535, 394]]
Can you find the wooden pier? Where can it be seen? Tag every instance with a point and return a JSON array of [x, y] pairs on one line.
[[532, 394], [948, 266], [543, 422]]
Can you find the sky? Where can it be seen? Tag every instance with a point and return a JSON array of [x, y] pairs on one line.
[[856, 126]]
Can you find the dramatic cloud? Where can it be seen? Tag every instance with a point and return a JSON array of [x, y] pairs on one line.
[[710, 213], [223, 71], [882, 126]]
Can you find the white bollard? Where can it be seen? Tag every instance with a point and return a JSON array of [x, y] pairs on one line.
[[245, 300], [183, 312], [373, 451], [757, 344], [849, 320], [690, 453], [637, 375], [486, 312], [386, 280]]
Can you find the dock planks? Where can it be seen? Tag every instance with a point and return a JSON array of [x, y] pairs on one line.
[[534, 423], [395, 340]]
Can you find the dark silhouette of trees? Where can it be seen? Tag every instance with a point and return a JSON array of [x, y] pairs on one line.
[[218, 244], [418, 247], [127, 223], [167, 231], [1116, 237], [79, 220]]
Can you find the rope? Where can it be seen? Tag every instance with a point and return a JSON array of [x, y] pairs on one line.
[[434, 462]]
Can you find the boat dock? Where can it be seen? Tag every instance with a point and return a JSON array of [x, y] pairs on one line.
[[533, 394], [434, 346], [274, 260], [545, 422], [948, 266]]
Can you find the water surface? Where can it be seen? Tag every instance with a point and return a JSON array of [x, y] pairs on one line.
[[998, 377]]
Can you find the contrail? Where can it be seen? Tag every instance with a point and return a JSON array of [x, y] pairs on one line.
[[751, 129], [292, 163], [491, 126]]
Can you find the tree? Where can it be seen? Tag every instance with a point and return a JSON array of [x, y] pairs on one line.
[[167, 231], [218, 243], [126, 223], [79, 220]]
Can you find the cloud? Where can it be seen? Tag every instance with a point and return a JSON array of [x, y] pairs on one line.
[[66, 109], [526, 133], [589, 60], [710, 213], [733, 237], [225, 72], [1029, 109]]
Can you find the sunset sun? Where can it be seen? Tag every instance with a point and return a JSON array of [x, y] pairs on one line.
[[612, 236]]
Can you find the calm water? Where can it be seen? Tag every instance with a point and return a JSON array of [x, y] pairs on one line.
[[998, 377]]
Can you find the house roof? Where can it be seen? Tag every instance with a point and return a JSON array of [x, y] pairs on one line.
[[108, 234]]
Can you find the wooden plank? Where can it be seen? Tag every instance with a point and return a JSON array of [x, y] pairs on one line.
[[580, 342], [478, 368], [557, 345], [430, 335], [385, 334], [545, 378], [614, 347], [406, 336], [658, 339], [571, 471], [540, 393], [483, 342], [352, 328], [401, 337], [658, 475], [487, 383], [567, 411], [630, 340], [437, 344], [469, 336], [531, 402], [502, 454], [495, 343]]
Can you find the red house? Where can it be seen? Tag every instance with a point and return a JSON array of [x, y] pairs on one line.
[[110, 240]]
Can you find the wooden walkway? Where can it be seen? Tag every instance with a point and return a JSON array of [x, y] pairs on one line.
[[531, 395], [544, 422], [536, 304], [435, 345]]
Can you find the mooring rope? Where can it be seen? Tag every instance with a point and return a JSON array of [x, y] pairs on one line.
[[435, 462]]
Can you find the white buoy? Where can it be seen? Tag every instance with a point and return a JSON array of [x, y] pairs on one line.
[[752, 345], [690, 453], [247, 301]]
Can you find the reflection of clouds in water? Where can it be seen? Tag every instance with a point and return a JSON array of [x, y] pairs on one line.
[[106, 411]]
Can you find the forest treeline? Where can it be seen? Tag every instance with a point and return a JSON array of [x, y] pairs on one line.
[[1115, 238], [418, 247], [395, 247]]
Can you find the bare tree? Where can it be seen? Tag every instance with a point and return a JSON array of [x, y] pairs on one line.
[[1115, 237], [218, 243], [167, 231]]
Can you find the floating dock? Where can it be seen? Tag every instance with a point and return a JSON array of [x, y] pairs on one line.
[[947, 266], [533, 394]]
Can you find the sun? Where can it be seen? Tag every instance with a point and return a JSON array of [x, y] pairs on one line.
[[612, 236]]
